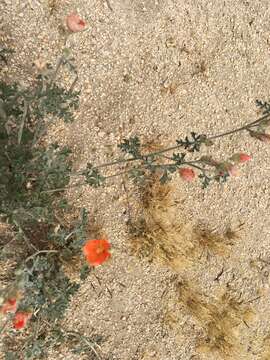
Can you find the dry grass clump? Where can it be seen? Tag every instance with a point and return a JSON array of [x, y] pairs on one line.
[[153, 195], [214, 243], [154, 234], [266, 348], [159, 232], [219, 319], [260, 345], [151, 239]]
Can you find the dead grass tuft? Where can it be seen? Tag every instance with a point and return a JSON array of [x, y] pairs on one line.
[[219, 320], [53, 6], [159, 233], [154, 195], [150, 239], [214, 243], [266, 345], [154, 233]]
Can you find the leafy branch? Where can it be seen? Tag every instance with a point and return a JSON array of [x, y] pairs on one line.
[[42, 242], [140, 164]]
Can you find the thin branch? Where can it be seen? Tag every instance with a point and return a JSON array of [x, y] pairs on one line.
[[58, 65], [157, 153], [245, 127], [81, 337], [160, 154], [63, 189], [40, 252], [25, 110], [24, 235], [73, 83]]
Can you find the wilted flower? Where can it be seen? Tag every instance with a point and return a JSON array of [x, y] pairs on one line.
[[9, 306], [240, 157], [233, 170], [187, 174], [227, 168], [20, 319], [75, 23], [260, 136], [96, 251]]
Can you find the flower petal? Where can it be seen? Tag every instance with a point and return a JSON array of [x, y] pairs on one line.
[[9, 306], [96, 251]]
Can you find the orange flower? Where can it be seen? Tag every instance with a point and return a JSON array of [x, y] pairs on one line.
[[20, 319], [187, 174], [9, 306], [75, 23], [96, 251]]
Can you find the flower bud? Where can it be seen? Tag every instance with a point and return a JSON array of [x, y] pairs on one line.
[[75, 23], [240, 158], [187, 174]]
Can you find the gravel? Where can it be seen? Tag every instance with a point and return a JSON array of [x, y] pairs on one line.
[[161, 69]]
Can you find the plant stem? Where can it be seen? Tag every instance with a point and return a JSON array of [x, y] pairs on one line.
[[73, 83], [40, 252], [84, 339], [63, 189], [245, 127], [157, 153], [160, 153], [25, 110], [24, 235], [58, 65]]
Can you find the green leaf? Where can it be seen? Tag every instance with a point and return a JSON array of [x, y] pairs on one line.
[[85, 271], [164, 178], [131, 146], [93, 177], [192, 144]]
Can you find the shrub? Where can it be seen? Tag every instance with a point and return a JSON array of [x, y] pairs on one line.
[[42, 241]]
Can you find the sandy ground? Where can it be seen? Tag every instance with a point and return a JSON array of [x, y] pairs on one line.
[[161, 69]]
